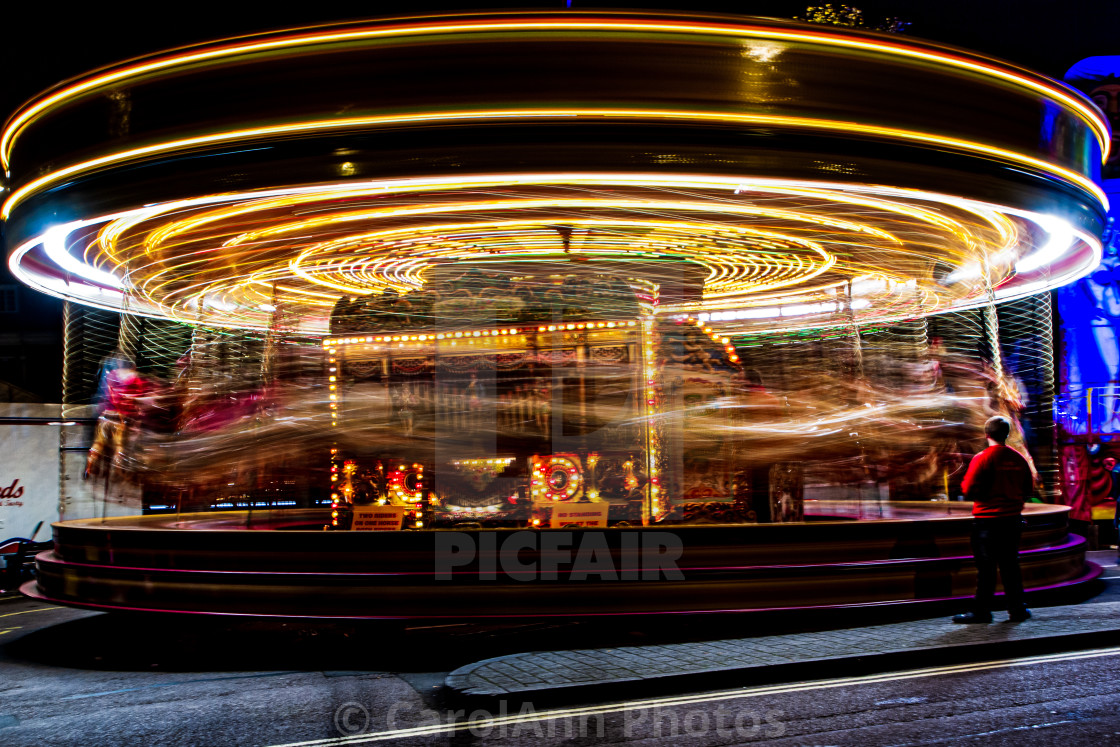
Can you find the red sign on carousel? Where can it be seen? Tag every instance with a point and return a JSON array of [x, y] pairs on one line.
[[579, 515]]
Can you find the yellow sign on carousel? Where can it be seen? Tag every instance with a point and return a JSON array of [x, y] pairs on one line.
[[378, 518]]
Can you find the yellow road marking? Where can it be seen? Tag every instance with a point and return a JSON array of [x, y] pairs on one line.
[[24, 612]]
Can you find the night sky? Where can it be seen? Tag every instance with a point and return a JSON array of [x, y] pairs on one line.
[[45, 43]]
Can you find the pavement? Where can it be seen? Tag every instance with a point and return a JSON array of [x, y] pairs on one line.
[[585, 674]]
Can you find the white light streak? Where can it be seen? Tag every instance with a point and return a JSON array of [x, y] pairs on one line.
[[1061, 239], [54, 244]]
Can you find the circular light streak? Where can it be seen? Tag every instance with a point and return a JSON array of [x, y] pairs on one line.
[[773, 253], [358, 123], [290, 42], [817, 243], [735, 266]]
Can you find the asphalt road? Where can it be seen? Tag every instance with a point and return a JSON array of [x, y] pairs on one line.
[[73, 677], [1054, 700]]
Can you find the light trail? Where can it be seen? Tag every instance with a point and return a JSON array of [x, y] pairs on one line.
[[356, 123], [283, 44], [749, 234]]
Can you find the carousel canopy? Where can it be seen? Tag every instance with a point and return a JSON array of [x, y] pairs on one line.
[[762, 174]]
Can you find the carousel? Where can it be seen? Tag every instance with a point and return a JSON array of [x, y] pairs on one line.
[[570, 395], [742, 290]]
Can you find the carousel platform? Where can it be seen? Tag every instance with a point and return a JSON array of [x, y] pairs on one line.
[[281, 564]]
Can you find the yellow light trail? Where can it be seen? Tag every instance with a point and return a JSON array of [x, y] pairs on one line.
[[556, 203], [827, 260], [302, 197], [1083, 109], [844, 193], [989, 229], [763, 120]]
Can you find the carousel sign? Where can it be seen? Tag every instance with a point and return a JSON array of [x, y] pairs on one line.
[[379, 518]]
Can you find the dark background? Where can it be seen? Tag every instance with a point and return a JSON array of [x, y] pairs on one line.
[[44, 43]]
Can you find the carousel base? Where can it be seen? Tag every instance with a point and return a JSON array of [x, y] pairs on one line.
[[281, 564]]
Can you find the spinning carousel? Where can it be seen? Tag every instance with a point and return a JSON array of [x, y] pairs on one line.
[[568, 395], [538, 270]]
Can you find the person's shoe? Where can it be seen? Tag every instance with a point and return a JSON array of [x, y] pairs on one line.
[[1018, 616], [969, 618]]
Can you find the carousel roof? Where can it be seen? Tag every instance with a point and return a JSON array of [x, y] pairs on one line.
[[762, 174]]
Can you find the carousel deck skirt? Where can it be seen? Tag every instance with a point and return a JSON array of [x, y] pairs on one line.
[[277, 564]]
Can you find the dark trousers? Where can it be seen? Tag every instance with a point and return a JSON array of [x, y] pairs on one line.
[[995, 544]]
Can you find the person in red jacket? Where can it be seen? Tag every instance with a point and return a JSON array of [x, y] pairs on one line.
[[998, 482]]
